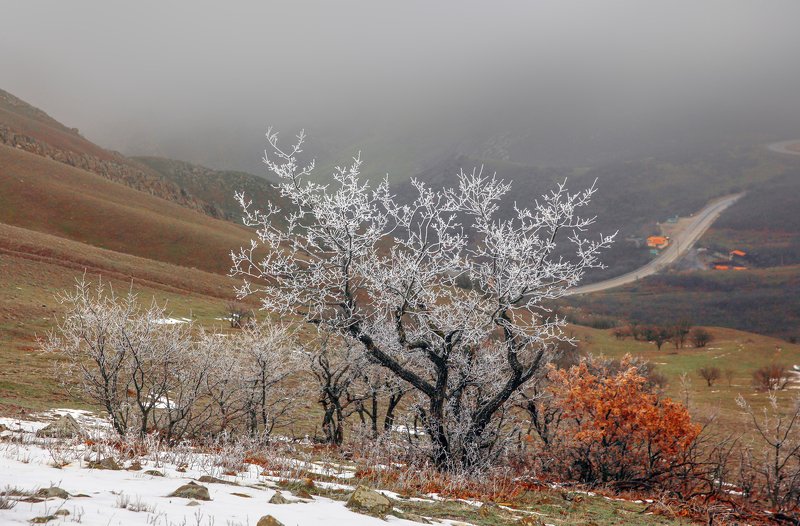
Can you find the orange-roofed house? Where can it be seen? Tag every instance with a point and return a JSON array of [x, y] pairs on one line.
[[738, 253], [657, 241]]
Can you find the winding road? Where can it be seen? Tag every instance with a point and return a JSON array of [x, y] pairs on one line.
[[681, 243], [786, 147]]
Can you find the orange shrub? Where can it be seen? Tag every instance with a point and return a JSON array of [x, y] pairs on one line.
[[616, 428]]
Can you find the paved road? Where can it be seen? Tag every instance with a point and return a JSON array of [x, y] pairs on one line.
[[783, 147], [678, 246]]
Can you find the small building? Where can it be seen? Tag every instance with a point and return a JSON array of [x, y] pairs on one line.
[[737, 254], [657, 242]]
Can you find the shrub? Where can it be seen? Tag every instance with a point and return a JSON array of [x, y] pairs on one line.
[[617, 428], [700, 337], [770, 377]]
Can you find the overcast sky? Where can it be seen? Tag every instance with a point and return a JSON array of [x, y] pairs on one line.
[[202, 80]]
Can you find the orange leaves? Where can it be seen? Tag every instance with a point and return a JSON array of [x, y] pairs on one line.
[[618, 424]]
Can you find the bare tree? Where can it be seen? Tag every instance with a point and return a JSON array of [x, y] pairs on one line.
[[146, 373], [729, 375], [353, 261], [710, 374], [238, 314], [776, 461], [269, 357], [680, 332], [89, 337]]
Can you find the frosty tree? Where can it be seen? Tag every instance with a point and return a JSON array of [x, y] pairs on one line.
[[353, 260]]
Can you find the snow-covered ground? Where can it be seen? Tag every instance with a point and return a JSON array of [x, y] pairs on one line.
[[105, 497]]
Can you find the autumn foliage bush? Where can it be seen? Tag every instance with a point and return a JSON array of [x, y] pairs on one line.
[[615, 427]]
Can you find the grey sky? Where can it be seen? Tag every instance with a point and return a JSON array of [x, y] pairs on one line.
[[581, 80]]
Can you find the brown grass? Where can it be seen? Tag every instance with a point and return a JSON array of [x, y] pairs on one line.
[[53, 198]]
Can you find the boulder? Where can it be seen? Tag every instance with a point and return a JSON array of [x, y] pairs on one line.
[[64, 427], [191, 491], [154, 473], [105, 463], [269, 520], [413, 517], [53, 492], [214, 480], [278, 498], [44, 519], [365, 500]]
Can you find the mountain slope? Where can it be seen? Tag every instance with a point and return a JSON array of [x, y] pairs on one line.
[[28, 128], [50, 197]]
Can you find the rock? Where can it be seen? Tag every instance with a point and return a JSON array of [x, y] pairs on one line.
[[278, 498], [61, 513], [43, 519], [269, 520], [193, 503], [3, 428], [105, 463], [53, 492], [191, 491], [135, 466], [64, 427], [214, 480], [32, 500], [365, 500], [154, 473], [413, 517], [243, 495]]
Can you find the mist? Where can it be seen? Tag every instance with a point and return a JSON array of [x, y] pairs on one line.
[[565, 83]]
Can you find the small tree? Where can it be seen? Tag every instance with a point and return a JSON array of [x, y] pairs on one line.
[[269, 357], [729, 375], [710, 374], [354, 261], [657, 334], [700, 337], [680, 332], [147, 374], [333, 366]]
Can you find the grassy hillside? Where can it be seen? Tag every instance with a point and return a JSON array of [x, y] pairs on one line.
[[34, 267], [50, 197], [731, 350]]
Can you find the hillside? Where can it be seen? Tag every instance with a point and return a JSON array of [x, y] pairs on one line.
[[35, 266], [50, 197], [28, 128]]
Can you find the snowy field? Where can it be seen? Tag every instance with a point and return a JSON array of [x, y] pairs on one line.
[[102, 497]]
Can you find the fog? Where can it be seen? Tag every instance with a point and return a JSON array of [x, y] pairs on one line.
[[545, 83]]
